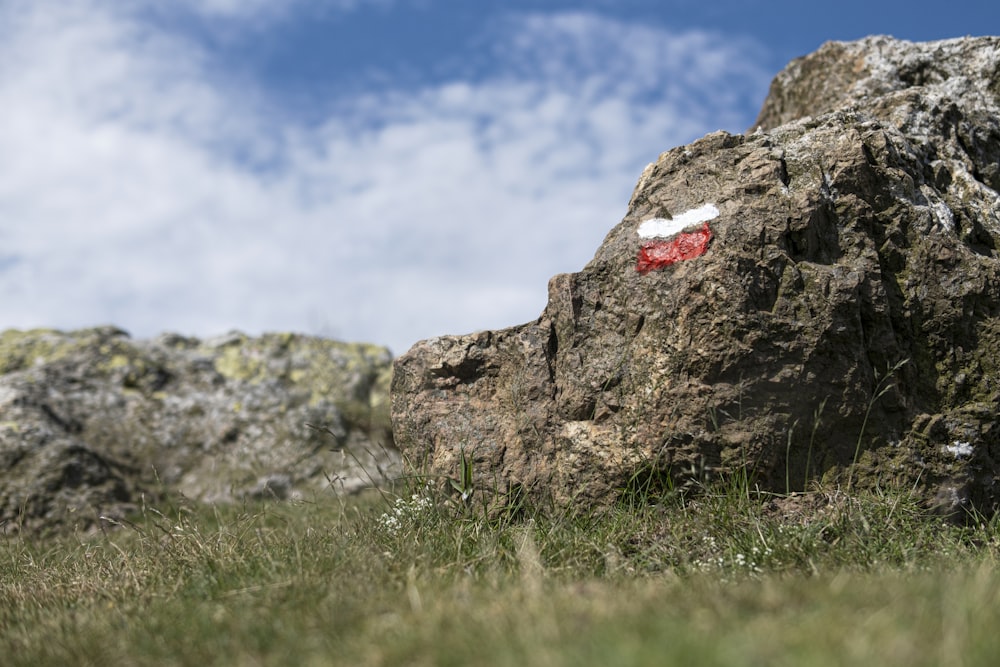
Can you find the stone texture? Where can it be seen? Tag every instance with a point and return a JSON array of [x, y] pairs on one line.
[[848, 308], [92, 422]]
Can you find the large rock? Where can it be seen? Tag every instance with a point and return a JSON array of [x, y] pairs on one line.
[[844, 321], [92, 422]]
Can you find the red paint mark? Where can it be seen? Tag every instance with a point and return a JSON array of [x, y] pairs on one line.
[[659, 254]]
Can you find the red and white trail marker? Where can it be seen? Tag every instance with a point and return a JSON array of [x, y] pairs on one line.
[[670, 242]]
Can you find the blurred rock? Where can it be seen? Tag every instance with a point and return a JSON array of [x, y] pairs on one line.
[[93, 422]]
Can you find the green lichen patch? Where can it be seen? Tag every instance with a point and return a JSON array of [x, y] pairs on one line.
[[23, 349]]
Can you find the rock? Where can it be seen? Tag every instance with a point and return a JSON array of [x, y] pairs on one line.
[[843, 323], [93, 423]]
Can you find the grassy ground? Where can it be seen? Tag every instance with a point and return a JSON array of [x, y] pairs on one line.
[[726, 578]]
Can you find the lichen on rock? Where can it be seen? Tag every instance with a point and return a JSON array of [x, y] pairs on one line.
[[92, 422], [843, 323]]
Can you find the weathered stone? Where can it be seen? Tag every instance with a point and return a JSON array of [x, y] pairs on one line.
[[92, 421], [847, 310]]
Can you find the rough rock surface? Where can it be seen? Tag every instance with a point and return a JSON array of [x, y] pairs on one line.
[[844, 321], [92, 422]]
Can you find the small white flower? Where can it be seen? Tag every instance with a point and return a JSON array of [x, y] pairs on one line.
[[403, 510]]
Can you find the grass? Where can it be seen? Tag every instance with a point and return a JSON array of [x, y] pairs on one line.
[[728, 577]]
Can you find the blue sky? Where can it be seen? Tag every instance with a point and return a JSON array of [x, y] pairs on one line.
[[378, 170]]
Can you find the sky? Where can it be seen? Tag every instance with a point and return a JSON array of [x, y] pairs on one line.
[[370, 170]]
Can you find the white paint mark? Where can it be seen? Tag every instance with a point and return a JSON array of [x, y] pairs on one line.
[[959, 449], [661, 227]]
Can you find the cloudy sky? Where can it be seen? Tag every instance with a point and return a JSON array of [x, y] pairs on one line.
[[377, 170]]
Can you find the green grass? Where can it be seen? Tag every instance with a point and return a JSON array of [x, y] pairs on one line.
[[725, 578]]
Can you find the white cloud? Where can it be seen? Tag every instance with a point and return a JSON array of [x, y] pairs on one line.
[[259, 10], [141, 189]]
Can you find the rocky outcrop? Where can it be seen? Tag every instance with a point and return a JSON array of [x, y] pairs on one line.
[[93, 422], [838, 316]]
